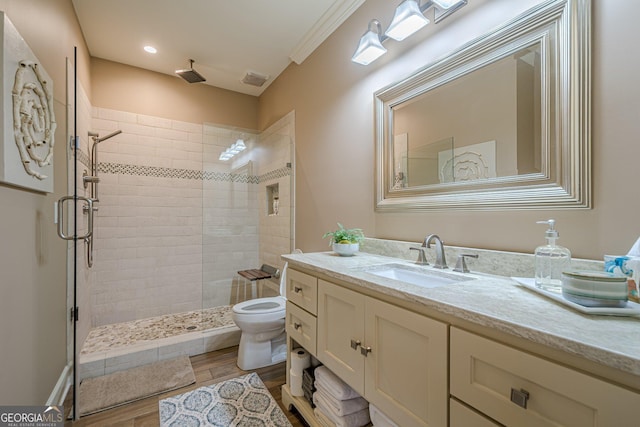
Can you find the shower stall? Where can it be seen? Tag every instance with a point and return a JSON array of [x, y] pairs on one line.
[[175, 224]]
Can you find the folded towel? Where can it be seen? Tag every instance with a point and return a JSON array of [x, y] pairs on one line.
[[307, 376], [322, 419], [378, 419], [338, 388], [343, 407], [357, 419]]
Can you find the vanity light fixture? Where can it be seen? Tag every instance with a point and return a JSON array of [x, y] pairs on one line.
[[408, 18], [446, 4], [370, 47], [232, 150]]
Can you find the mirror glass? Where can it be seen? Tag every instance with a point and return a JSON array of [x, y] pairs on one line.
[[499, 123], [483, 125]]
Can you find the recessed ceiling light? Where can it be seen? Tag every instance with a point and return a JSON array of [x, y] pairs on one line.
[[150, 49]]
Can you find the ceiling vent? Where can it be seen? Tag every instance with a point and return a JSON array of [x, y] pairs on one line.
[[254, 79]]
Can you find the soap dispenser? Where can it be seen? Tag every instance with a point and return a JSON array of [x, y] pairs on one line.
[[551, 260]]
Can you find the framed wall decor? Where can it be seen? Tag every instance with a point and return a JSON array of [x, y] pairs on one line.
[[27, 117]]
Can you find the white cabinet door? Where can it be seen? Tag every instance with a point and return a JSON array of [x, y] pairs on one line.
[[406, 370], [341, 324]]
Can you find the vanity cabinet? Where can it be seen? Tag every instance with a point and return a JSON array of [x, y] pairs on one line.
[[395, 358], [302, 307], [518, 389], [302, 290]]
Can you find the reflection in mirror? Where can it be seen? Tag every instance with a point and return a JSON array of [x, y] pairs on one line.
[[483, 125], [502, 122]]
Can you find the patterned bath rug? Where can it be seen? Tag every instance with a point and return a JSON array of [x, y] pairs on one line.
[[242, 401]]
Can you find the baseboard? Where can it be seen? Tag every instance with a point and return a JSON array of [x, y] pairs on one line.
[[60, 390]]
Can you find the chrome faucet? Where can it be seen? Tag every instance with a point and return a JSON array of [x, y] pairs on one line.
[[441, 261]]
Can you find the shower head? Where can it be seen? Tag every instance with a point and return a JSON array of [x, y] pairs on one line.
[[97, 139], [190, 75]]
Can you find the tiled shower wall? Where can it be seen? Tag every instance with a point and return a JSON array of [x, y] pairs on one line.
[[230, 215], [275, 167], [148, 248], [172, 216], [239, 233]]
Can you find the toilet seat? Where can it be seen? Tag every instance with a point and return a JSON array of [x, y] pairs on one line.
[[260, 306]]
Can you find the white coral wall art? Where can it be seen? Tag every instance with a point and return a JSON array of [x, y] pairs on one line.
[[28, 120], [469, 163]]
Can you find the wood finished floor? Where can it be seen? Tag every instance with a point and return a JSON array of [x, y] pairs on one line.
[[209, 368]]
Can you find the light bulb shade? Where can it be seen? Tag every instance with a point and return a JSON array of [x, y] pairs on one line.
[[446, 4], [370, 47], [240, 146], [407, 20]]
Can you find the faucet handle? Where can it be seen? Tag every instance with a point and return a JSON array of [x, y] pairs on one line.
[[461, 265], [422, 259]]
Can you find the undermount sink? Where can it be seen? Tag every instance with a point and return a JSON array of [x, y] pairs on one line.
[[418, 276]]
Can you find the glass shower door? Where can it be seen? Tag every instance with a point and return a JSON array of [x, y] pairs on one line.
[[74, 218]]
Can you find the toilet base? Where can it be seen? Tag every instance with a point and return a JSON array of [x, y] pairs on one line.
[[253, 354]]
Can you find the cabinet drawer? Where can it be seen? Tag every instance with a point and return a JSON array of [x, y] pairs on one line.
[[301, 326], [483, 374], [302, 290], [462, 416]]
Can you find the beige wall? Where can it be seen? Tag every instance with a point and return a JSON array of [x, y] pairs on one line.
[[33, 259], [122, 87], [333, 100]]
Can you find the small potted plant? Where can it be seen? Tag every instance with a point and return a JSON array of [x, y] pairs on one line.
[[345, 241]]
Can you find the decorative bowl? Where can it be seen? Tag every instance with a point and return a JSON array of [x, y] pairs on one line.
[[594, 288], [346, 249]]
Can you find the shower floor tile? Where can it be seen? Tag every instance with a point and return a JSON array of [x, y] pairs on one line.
[[136, 333]]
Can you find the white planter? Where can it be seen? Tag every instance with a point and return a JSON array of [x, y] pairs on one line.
[[346, 249]]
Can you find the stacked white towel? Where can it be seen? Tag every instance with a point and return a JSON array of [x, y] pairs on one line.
[[338, 402], [378, 419]]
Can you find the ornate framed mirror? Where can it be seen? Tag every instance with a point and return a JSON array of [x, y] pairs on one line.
[[503, 122]]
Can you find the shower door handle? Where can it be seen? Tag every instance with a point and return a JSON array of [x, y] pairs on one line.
[[59, 217]]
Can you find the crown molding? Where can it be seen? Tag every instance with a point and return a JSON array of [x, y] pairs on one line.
[[327, 24]]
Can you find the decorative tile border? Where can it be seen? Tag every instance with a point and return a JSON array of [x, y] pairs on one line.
[[161, 172], [275, 174]]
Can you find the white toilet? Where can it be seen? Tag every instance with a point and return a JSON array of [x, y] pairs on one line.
[[263, 341]]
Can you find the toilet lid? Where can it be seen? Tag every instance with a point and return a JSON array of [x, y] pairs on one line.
[[260, 306]]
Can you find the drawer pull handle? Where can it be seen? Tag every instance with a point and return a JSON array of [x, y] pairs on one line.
[[365, 351], [297, 325], [520, 397], [297, 289], [355, 344]]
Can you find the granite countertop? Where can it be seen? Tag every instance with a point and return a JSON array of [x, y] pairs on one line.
[[499, 303]]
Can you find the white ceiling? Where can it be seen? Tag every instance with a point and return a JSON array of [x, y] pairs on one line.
[[226, 38]]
